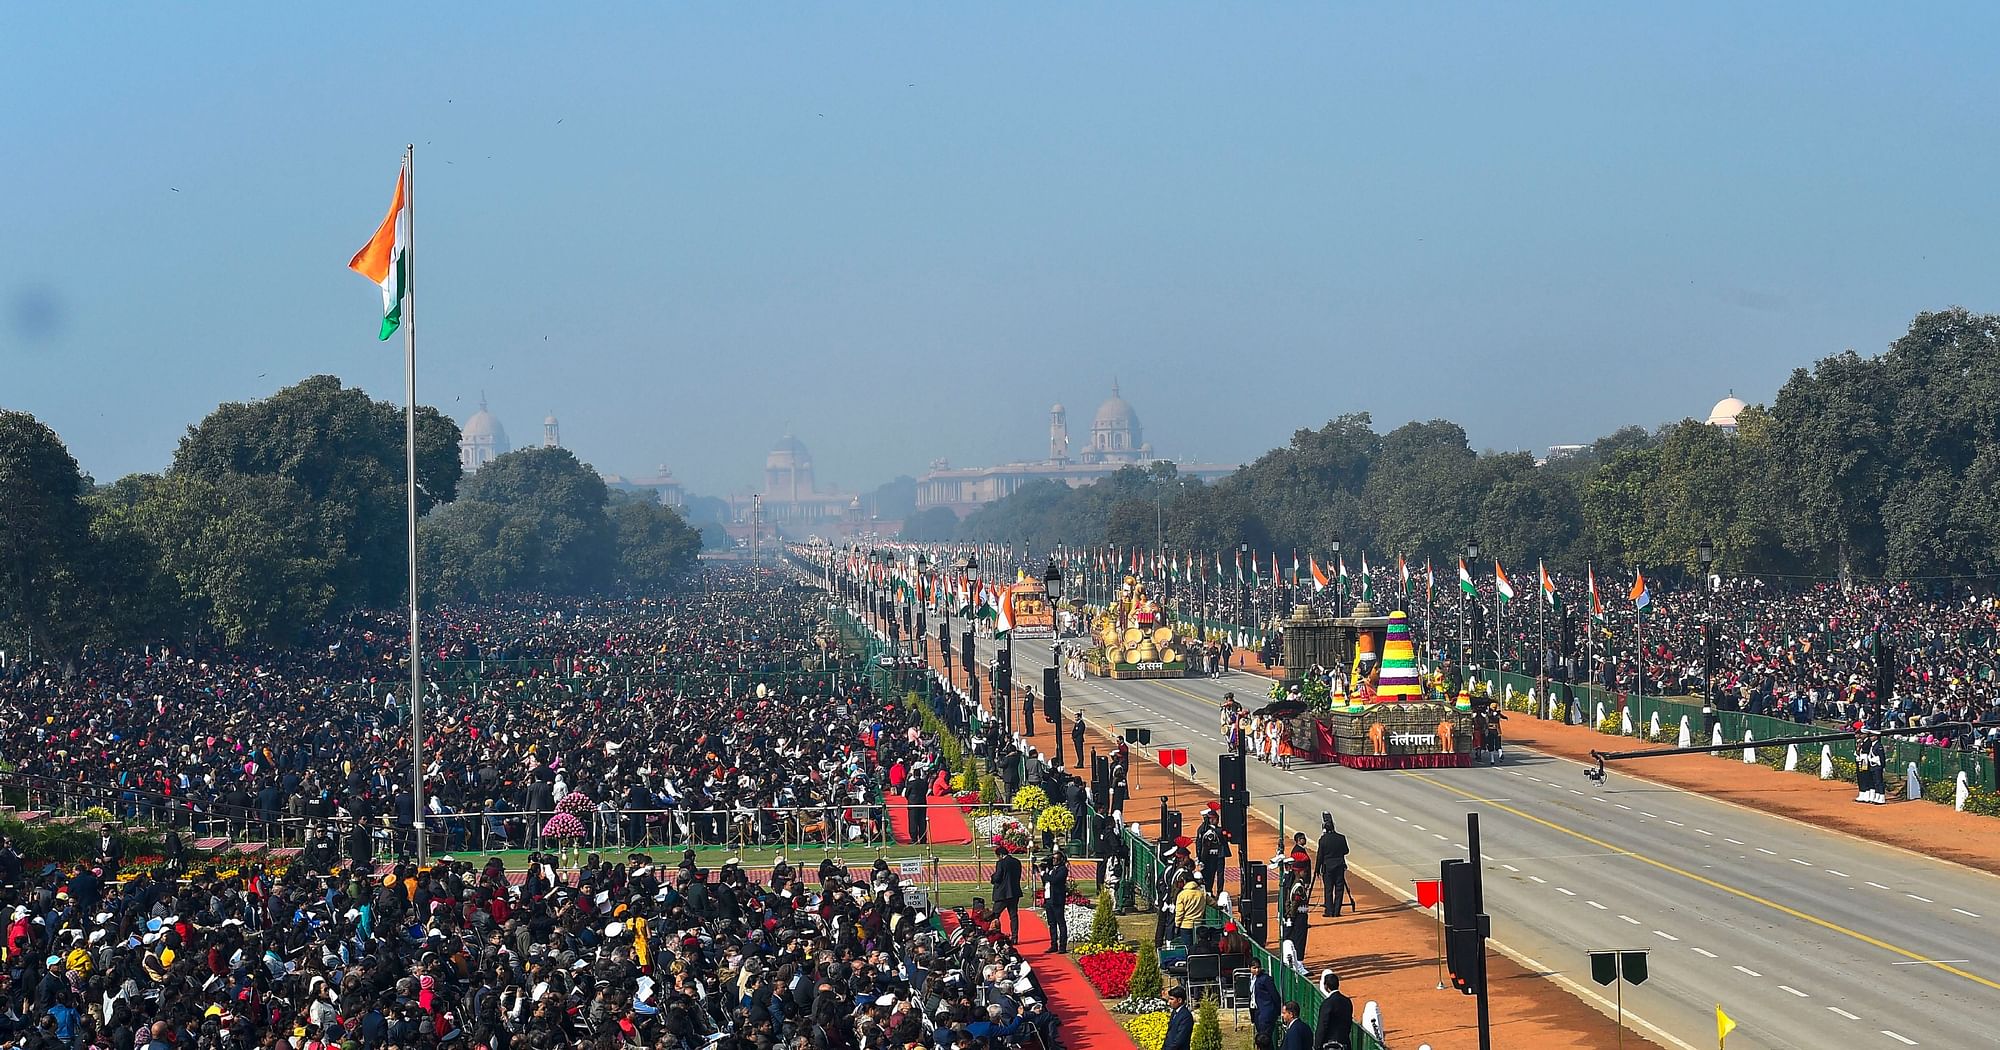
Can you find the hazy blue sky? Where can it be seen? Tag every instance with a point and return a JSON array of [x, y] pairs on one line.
[[903, 230]]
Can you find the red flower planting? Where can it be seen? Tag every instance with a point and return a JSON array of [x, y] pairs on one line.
[[1110, 972]]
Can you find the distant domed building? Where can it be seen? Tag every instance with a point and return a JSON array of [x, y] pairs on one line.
[[1115, 433], [481, 440], [790, 503], [1725, 412], [1116, 441]]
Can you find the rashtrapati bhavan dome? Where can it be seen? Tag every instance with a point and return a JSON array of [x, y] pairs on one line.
[[1116, 440]]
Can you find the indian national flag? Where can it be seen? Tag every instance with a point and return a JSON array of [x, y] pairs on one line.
[[1004, 622], [1403, 573], [1465, 580], [384, 260], [1548, 586], [1502, 586], [1319, 574], [1596, 603]]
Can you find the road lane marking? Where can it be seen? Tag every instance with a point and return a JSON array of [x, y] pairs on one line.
[[1807, 863], [1843, 1013], [1664, 934], [1677, 823], [1962, 911], [1733, 842], [1704, 880], [1771, 852], [1564, 892], [1878, 885], [1704, 831], [1914, 897], [1746, 970], [1794, 991], [1703, 951], [1906, 1041], [1841, 874], [1596, 905], [1538, 878], [1630, 919]]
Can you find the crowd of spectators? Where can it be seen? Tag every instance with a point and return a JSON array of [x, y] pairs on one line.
[[711, 709]]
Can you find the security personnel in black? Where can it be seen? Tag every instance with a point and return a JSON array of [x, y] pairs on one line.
[[1055, 900], [1076, 738], [1332, 866], [1212, 849]]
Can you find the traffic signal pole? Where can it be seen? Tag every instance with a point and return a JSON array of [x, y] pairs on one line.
[[1485, 927]]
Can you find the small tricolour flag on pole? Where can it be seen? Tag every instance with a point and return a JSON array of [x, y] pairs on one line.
[[1502, 586], [1465, 580], [1641, 597], [1403, 573], [383, 260], [1596, 603], [1319, 574], [1548, 585], [1367, 580], [1004, 621]]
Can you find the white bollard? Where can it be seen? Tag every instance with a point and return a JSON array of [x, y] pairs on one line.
[[1371, 1020], [1911, 789], [1510, 690], [1625, 721], [1715, 738], [1599, 720], [1825, 762], [1749, 753], [1791, 758], [1964, 792], [1687, 735], [1653, 728]]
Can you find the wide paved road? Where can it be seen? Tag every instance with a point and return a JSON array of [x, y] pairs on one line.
[[1810, 939]]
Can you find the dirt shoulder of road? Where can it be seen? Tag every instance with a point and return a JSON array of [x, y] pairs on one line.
[[1919, 826]]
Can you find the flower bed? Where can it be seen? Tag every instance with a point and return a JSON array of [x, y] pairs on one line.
[[1109, 972], [1148, 1030]]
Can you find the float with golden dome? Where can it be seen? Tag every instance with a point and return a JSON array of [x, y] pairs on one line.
[[1033, 617], [1375, 712], [1134, 638]]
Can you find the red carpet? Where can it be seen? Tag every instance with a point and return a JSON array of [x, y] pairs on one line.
[[947, 826], [1086, 1024]]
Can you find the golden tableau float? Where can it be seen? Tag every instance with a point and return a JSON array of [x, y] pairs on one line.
[[1134, 638]]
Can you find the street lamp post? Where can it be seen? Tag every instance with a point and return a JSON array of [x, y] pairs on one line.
[[1340, 583], [1243, 599], [1464, 605], [1052, 589], [1705, 554]]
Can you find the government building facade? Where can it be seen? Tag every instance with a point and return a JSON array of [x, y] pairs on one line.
[[1117, 440]]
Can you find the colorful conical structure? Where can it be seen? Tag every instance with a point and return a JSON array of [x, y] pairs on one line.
[[1398, 681]]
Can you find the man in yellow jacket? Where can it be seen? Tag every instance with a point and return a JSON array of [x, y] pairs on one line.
[[1189, 909]]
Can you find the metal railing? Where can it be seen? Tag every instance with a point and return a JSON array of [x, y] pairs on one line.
[[1934, 764]]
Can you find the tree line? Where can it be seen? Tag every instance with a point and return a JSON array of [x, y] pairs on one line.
[[279, 513], [1884, 466]]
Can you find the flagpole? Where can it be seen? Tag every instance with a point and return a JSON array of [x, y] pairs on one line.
[[410, 478]]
